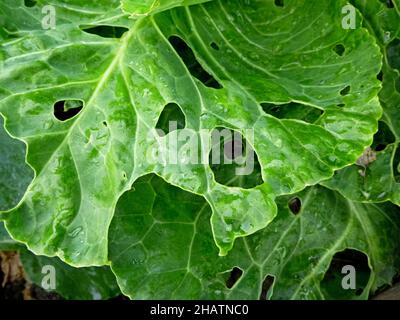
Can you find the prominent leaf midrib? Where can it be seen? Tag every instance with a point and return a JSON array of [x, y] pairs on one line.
[[364, 226], [328, 254], [372, 254], [103, 79], [94, 95]]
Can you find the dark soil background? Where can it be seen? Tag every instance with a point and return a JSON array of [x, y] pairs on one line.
[[13, 283], [15, 286]]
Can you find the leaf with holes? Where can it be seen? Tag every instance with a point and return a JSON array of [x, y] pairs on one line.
[[376, 177], [88, 106], [161, 247], [71, 283]]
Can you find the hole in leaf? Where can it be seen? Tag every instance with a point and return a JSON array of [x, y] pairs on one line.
[[347, 276], [383, 137], [194, 67], [105, 123], [389, 3], [234, 277], [172, 118], [67, 109], [380, 147], [233, 160], [266, 287], [341, 105], [279, 3], [295, 205], [339, 49], [105, 31], [380, 76], [396, 165], [393, 55], [214, 46], [30, 3], [345, 91], [292, 110]]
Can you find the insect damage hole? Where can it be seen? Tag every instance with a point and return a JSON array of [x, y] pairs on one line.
[[347, 276], [234, 277], [266, 287], [383, 137], [189, 59], [294, 205], [396, 165], [293, 111], [172, 118], [105, 31], [345, 91], [339, 49], [30, 3], [233, 160], [214, 46], [279, 3], [389, 3], [67, 109]]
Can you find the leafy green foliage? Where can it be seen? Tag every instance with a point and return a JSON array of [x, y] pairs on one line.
[[70, 283], [92, 283], [379, 180], [125, 83], [161, 246], [87, 97]]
